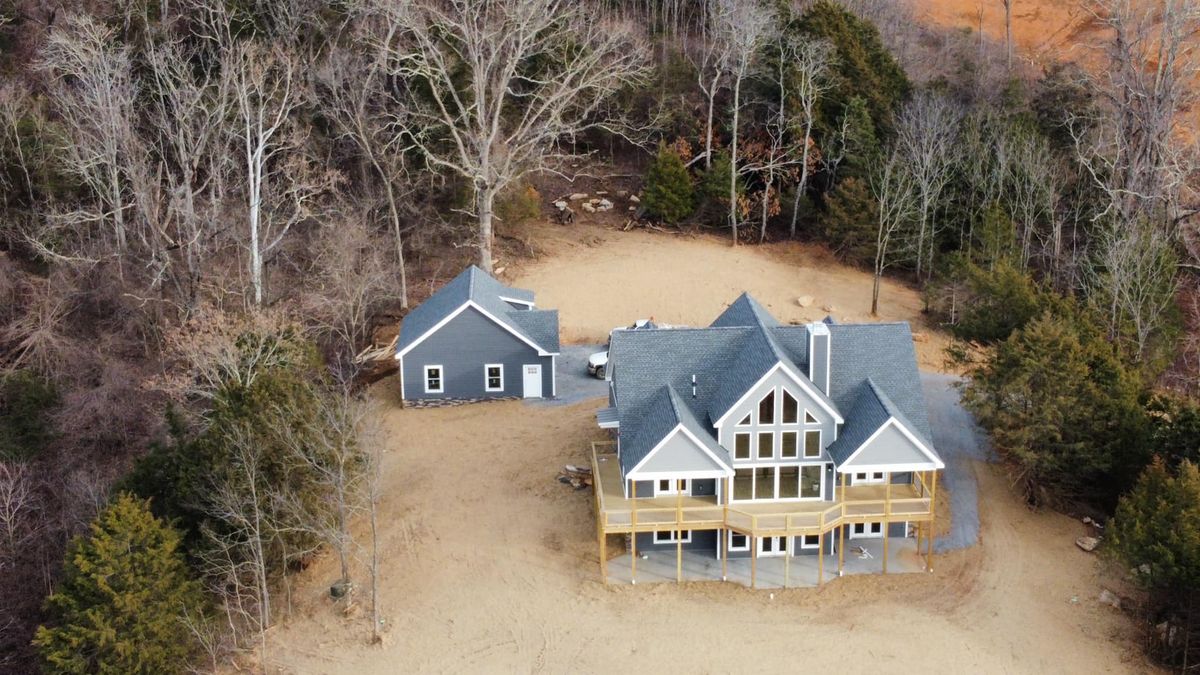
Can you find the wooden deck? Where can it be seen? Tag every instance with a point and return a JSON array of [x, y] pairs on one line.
[[865, 503], [615, 514]]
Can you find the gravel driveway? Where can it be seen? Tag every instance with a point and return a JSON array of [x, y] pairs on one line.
[[574, 383], [960, 442]]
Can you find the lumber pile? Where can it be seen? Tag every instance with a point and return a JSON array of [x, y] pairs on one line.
[[578, 477]]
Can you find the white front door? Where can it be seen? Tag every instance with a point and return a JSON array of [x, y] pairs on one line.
[[532, 380]]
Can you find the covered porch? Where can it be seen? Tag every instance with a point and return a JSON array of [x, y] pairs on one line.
[[801, 571]]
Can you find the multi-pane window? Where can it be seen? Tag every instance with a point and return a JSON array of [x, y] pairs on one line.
[[433, 380], [812, 443], [789, 482], [672, 486], [810, 481], [787, 444], [738, 542], [741, 446], [671, 537], [766, 409], [764, 483], [766, 445], [493, 376], [791, 408], [809, 419]]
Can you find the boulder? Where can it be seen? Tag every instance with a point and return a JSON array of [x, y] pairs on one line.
[[632, 208], [1088, 544], [1109, 598], [587, 206], [560, 205], [601, 193], [604, 205], [635, 199], [577, 196], [829, 308], [804, 300]]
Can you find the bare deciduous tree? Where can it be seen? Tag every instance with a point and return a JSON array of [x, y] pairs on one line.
[[1129, 146], [18, 503], [359, 100], [810, 60], [94, 90], [895, 192], [1134, 271], [478, 110], [712, 65], [927, 130], [747, 26]]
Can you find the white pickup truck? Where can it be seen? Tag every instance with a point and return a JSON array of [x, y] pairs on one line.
[[598, 363]]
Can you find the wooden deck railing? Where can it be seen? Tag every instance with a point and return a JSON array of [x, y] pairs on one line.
[[700, 513]]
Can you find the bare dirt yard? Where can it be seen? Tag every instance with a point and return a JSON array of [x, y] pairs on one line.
[[490, 565]]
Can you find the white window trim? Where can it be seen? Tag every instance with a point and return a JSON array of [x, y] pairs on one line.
[[867, 533], [775, 466], [749, 446], [868, 478], [687, 487], [775, 407], [799, 444], [805, 545], [775, 553], [441, 379], [804, 444], [672, 538], [783, 391], [488, 366], [732, 547], [812, 393]]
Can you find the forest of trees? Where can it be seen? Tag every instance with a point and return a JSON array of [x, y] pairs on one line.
[[207, 206]]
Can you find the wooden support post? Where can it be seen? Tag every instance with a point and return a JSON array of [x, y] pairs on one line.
[[603, 556], [725, 534], [633, 537], [932, 519], [787, 558], [753, 560], [842, 530], [678, 534], [887, 517], [821, 552]]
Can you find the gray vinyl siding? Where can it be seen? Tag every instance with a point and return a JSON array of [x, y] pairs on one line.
[[462, 346], [679, 454]]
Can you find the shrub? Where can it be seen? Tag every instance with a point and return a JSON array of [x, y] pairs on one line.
[[998, 302], [668, 194], [25, 404], [519, 205], [124, 591]]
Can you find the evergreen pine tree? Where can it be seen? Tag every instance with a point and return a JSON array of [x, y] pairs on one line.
[[124, 591], [849, 222], [669, 195]]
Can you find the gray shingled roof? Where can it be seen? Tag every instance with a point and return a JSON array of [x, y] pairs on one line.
[[865, 417], [884, 354], [480, 287], [662, 412], [541, 325], [873, 373]]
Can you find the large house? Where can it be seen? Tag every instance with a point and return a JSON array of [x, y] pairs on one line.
[[752, 439], [477, 339]]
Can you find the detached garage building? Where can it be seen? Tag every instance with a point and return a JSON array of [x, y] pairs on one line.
[[477, 339]]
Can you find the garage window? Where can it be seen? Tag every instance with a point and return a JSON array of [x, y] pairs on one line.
[[493, 374], [434, 383]]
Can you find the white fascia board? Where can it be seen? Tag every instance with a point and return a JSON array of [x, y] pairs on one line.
[[780, 365], [636, 472], [934, 461], [471, 304]]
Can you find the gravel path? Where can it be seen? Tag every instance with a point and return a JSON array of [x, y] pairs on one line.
[[961, 443]]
